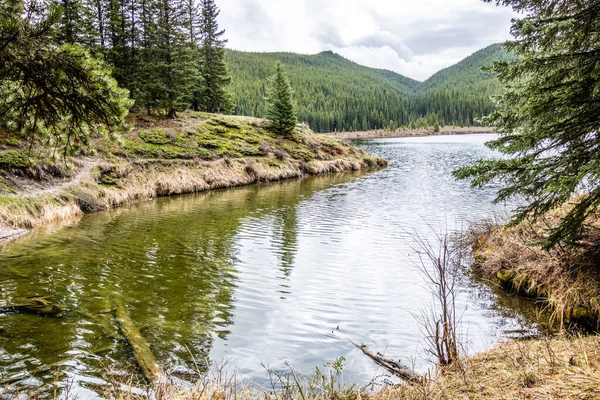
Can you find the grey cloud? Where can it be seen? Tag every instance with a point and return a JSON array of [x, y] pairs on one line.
[[254, 22], [329, 35], [384, 38], [460, 31], [435, 33], [430, 42]]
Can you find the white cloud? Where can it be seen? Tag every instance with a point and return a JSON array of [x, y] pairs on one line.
[[413, 37]]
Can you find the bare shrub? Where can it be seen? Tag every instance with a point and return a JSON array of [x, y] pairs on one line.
[[440, 265]]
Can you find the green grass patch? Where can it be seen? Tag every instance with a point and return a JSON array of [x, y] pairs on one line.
[[273, 162], [298, 151], [12, 141], [154, 136], [208, 137], [14, 159]]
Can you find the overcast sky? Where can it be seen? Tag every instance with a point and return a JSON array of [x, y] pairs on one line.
[[413, 37]]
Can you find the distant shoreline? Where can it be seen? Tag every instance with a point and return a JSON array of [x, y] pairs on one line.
[[446, 130]]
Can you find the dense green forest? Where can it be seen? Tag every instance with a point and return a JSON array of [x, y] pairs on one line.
[[170, 55], [335, 94]]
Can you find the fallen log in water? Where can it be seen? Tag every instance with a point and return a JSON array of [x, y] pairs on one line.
[[141, 351], [395, 367], [34, 305]]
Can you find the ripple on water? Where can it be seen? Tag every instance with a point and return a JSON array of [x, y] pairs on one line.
[[255, 275]]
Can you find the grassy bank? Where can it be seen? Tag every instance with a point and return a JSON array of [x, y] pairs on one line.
[[157, 157], [544, 368], [565, 279]]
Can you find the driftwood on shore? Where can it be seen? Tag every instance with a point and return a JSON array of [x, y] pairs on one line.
[[141, 351], [394, 367], [34, 305]]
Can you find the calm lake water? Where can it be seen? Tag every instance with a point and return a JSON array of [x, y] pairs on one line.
[[251, 276]]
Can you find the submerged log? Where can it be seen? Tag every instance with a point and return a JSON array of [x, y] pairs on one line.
[[141, 351], [394, 367], [35, 305]]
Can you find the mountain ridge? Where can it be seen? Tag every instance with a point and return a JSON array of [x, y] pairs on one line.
[[337, 94]]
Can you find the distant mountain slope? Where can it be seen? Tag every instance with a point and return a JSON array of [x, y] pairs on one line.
[[468, 71], [335, 94]]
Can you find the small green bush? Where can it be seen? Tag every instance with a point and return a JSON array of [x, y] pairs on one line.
[[219, 129], [209, 141], [230, 124], [109, 179], [249, 150]]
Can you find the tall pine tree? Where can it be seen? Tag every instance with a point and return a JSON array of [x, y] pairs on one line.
[[172, 72], [549, 115], [59, 94], [215, 96], [193, 21], [280, 110]]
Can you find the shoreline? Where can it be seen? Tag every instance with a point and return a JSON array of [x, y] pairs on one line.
[[400, 133], [100, 184]]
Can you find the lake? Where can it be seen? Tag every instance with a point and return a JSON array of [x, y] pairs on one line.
[[255, 275]]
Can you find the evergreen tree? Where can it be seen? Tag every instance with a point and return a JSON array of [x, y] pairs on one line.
[[70, 27], [215, 95], [550, 115], [280, 110], [193, 13], [172, 71], [56, 93]]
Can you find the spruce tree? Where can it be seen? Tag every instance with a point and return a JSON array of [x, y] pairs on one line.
[[549, 116], [193, 21], [280, 110], [215, 96], [70, 27], [59, 94], [171, 72]]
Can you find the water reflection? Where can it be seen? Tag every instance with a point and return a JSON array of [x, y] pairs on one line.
[[254, 275], [174, 262]]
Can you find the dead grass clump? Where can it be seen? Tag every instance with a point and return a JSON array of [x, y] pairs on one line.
[[566, 278], [27, 213], [543, 368]]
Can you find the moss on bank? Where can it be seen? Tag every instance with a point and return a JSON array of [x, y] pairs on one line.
[[157, 157]]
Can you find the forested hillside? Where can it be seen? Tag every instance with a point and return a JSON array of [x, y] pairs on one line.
[[171, 55], [335, 94]]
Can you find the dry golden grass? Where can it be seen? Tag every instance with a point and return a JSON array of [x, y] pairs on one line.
[[543, 368], [146, 180], [29, 213], [566, 278]]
